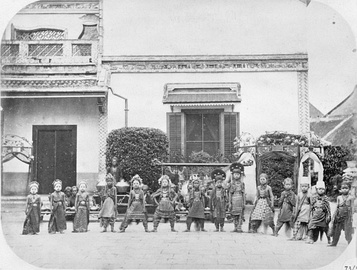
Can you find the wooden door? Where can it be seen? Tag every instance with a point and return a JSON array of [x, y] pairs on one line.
[[55, 149]]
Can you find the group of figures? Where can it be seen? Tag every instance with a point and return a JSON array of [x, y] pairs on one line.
[[307, 213]]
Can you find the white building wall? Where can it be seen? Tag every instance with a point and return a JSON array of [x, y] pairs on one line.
[[21, 114], [269, 100]]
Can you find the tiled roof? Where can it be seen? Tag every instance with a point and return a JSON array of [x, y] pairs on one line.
[[324, 125], [201, 93], [347, 106], [345, 134]]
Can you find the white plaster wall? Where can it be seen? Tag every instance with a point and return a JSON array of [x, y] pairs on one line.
[[203, 27], [269, 100], [21, 114]]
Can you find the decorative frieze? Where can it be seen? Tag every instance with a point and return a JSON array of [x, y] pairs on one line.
[[303, 102], [59, 6], [13, 83], [180, 64], [48, 69]]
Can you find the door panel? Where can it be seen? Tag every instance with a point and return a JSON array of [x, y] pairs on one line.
[[55, 155]]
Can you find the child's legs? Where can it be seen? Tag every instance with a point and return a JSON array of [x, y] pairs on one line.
[[336, 232], [157, 219], [279, 224], [216, 222], [124, 224], [348, 232], [188, 222], [296, 228], [172, 220], [221, 222], [255, 224], [145, 223], [201, 222]]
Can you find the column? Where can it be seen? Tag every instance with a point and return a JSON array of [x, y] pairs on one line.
[[303, 102]]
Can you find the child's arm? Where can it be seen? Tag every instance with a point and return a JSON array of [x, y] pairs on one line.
[[271, 195], [76, 202], [229, 199], [27, 205], [256, 197], [51, 202], [281, 200], [292, 199], [130, 198], [63, 201], [243, 195]]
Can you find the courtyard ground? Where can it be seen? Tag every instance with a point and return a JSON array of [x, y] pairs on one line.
[[136, 249]]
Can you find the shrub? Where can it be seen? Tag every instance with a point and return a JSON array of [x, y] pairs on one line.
[[136, 147], [334, 162]]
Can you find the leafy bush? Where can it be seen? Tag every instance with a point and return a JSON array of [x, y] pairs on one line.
[[278, 168], [334, 162], [135, 148]]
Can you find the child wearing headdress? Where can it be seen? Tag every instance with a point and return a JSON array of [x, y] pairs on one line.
[[263, 210], [342, 218], [33, 210], [196, 207], [68, 196], [218, 199], [236, 198], [320, 216], [57, 222], [301, 212], [115, 170], [136, 205], [108, 212], [81, 219], [165, 198], [286, 204], [73, 196]]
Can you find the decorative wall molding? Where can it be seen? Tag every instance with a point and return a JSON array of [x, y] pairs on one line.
[[60, 7], [303, 102], [36, 83], [212, 63], [49, 69]]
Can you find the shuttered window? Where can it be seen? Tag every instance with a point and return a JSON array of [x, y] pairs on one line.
[[231, 130], [174, 133]]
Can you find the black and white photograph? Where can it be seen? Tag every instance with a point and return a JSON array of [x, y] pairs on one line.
[[178, 134]]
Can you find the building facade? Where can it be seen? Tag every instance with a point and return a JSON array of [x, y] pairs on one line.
[[53, 94]]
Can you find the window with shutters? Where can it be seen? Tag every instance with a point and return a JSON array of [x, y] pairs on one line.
[[202, 133], [212, 131]]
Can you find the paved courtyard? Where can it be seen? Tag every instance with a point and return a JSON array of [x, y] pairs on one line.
[[161, 250]]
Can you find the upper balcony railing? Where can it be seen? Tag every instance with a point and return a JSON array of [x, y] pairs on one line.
[[49, 51]]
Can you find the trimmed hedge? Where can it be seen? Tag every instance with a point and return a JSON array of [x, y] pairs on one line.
[[135, 148]]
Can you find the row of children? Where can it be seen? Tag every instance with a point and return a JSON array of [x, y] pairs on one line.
[[308, 215]]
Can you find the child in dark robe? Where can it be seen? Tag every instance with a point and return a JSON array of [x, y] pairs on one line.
[[33, 210], [57, 222], [196, 205], [263, 211], [301, 213], [237, 196], [218, 199], [165, 198], [342, 218], [286, 204], [81, 219], [136, 205], [320, 216], [108, 212]]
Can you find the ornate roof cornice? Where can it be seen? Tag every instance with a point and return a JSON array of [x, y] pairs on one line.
[[206, 63]]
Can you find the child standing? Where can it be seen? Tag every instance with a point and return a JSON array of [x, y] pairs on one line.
[[301, 213], [81, 219], [196, 205], [342, 219], [237, 196], [57, 222], [263, 210], [108, 212], [33, 210], [320, 213], [136, 205], [286, 204], [218, 199], [165, 198]]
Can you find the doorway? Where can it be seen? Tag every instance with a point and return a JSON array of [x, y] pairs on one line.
[[55, 149]]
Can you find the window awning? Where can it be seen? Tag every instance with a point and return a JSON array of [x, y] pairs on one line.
[[202, 93]]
